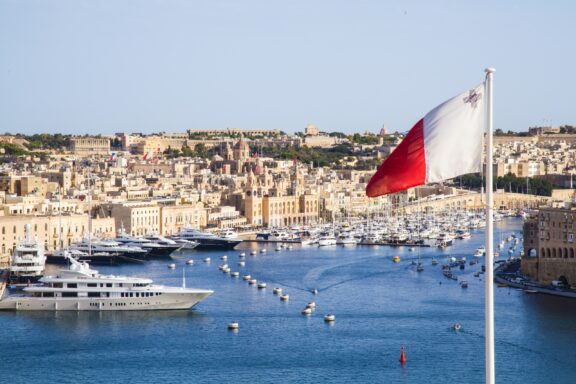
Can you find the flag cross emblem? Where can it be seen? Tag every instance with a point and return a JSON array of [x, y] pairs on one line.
[[473, 98]]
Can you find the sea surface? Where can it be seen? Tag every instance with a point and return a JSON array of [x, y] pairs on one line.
[[379, 306]]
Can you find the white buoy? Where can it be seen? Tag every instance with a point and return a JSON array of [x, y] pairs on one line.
[[285, 297], [247, 277], [233, 325], [234, 274], [277, 291], [172, 266], [329, 318], [252, 281], [206, 259], [307, 311], [190, 262], [261, 285], [241, 263]]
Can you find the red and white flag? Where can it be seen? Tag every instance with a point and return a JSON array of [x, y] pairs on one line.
[[446, 143]]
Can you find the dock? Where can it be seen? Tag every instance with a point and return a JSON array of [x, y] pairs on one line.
[[396, 244], [271, 241]]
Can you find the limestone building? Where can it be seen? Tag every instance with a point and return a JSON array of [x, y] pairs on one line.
[[89, 145], [549, 248], [47, 230]]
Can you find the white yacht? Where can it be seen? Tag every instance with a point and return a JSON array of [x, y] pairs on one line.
[[154, 248], [326, 241], [93, 246], [347, 241], [28, 260], [80, 288], [159, 239], [229, 234]]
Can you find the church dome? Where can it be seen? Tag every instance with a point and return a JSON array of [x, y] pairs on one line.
[[242, 145]]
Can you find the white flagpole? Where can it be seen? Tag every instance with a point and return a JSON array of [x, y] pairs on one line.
[[489, 259]]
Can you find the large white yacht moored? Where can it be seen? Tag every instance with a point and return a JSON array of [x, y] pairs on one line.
[[28, 260], [80, 288]]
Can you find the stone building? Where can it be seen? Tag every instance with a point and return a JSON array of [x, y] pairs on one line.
[[47, 229], [174, 218], [89, 145], [549, 249], [136, 217], [234, 131]]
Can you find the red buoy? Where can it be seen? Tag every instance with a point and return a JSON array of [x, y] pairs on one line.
[[402, 356]]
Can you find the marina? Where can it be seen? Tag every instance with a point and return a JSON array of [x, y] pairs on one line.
[[377, 306]]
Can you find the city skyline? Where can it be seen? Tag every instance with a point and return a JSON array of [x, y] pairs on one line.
[[106, 67]]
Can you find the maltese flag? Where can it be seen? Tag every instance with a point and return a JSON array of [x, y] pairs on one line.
[[446, 143]]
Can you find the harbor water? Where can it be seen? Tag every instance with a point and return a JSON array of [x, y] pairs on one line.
[[379, 306]]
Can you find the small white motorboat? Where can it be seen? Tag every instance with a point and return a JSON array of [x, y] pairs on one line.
[[307, 311], [311, 305], [233, 325], [253, 253], [242, 255], [172, 266], [456, 327], [224, 257], [206, 259], [277, 291], [234, 274], [252, 281], [329, 318], [262, 286], [247, 277], [285, 297], [241, 263], [263, 250], [190, 262]]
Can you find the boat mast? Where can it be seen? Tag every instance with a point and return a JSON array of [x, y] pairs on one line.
[[89, 214], [61, 243]]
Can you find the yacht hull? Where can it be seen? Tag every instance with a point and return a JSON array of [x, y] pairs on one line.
[[167, 301], [218, 244], [165, 251]]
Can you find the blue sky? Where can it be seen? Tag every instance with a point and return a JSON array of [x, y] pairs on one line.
[[82, 66]]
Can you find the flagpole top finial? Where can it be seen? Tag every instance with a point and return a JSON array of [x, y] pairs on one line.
[[490, 70]]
